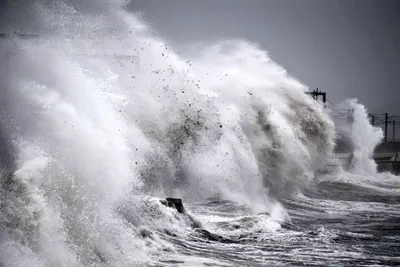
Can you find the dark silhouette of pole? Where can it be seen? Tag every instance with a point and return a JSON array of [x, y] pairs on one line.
[[316, 93], [386, 127], [350, 116], [372, 120]]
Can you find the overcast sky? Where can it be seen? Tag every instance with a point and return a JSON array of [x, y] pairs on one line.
[[348, 48]]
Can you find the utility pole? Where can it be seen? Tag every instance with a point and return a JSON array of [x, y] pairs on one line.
[[386, 127], [316, 93], [350, 116]]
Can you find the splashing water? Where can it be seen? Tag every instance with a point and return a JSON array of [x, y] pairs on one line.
[[364, 138], [98, 116]]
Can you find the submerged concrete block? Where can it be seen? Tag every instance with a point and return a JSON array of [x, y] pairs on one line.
[[174, 203]]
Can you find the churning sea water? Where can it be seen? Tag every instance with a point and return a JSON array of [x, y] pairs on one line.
[[100, 119]]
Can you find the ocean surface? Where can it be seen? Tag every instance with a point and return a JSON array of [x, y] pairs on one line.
[[101, 118], [335, 224]]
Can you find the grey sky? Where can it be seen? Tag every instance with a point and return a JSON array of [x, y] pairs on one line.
[[347, 48]]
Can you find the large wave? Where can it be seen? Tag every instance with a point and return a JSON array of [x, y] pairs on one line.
[[98, 114], [361, 136]]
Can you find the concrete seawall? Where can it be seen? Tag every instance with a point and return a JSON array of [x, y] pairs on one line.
[[385, 161], [389, 147]]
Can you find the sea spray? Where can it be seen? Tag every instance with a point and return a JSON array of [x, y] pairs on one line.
[[362, 138], [99, 114], [288, 133]]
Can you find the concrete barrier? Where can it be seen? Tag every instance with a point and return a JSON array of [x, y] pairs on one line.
[[175, 203]]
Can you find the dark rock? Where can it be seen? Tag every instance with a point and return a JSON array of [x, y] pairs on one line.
[[178, 204], [214, 237], [174, 203]]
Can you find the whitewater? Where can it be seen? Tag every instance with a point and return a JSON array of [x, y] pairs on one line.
[[100, 119]]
